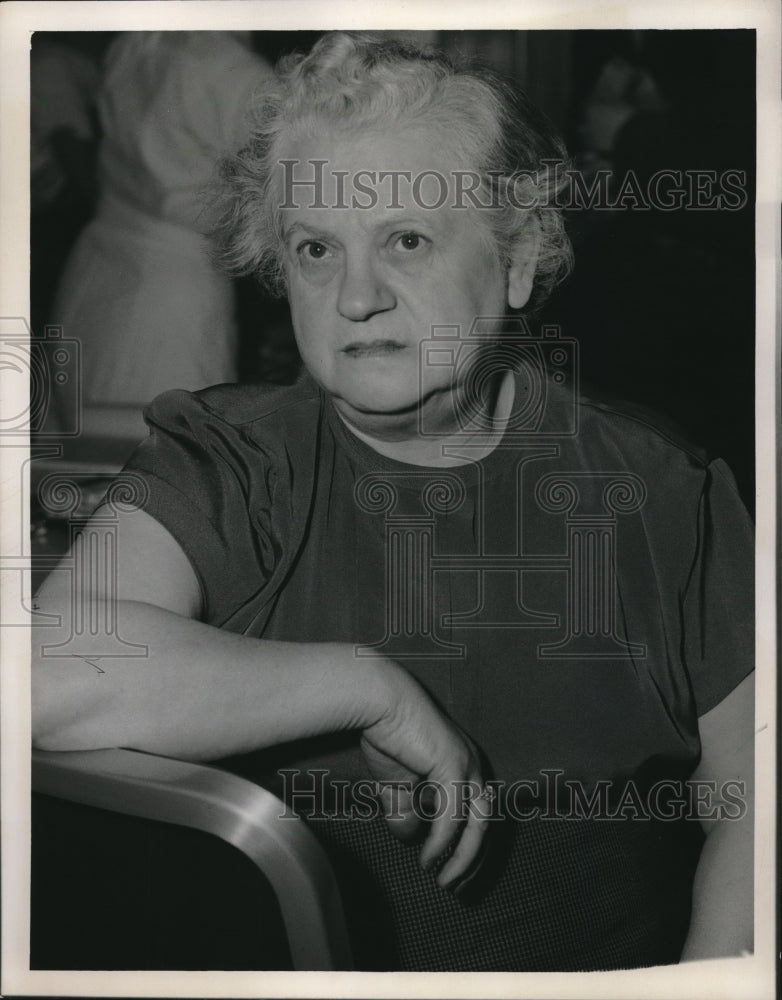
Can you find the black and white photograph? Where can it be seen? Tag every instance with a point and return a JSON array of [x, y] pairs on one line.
[[388, 450]]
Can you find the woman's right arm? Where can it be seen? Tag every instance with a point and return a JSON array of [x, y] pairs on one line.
[[198, 692], [185, 688]]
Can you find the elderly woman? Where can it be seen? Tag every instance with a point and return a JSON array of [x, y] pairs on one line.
[[520, 620]]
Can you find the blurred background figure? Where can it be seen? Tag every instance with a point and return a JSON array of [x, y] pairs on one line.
[[139, 291], [621, 91], [64, 79]]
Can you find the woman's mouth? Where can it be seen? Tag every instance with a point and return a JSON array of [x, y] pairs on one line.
[[372, 348]]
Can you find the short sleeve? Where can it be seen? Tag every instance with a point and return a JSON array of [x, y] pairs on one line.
[[718, 605], [209, 486]]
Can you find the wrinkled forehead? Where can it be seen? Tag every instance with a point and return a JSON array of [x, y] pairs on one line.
[[411, 167], [409, 135]]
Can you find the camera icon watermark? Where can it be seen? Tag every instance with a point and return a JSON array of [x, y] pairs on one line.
[[42, 380], [545, 364]]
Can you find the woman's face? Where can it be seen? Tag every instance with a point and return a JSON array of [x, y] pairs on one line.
[[371, 270]]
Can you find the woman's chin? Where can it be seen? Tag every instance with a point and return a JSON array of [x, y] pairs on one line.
[[373, 399], [379, 407]]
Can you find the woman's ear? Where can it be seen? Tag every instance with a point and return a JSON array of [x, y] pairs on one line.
[[524, 264]]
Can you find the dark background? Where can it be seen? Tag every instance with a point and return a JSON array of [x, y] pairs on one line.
[[662, 303]]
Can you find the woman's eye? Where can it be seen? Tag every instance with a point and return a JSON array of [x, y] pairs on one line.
[[409, 241], [312, 250]]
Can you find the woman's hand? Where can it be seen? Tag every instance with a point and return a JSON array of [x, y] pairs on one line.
[[414, 742]]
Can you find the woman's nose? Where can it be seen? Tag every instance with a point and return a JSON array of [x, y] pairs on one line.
[[363, 291]]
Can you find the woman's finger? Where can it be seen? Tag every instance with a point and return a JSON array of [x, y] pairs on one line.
[[447, 816], [462, 813], [469, 845], [396, 800]]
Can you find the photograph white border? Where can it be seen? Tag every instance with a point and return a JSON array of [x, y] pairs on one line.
[[752, 977]]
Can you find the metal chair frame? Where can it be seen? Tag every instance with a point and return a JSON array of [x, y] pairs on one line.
[[237, 811]]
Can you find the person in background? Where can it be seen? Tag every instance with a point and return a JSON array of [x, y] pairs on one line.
[[64, 81], [139, 291]]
